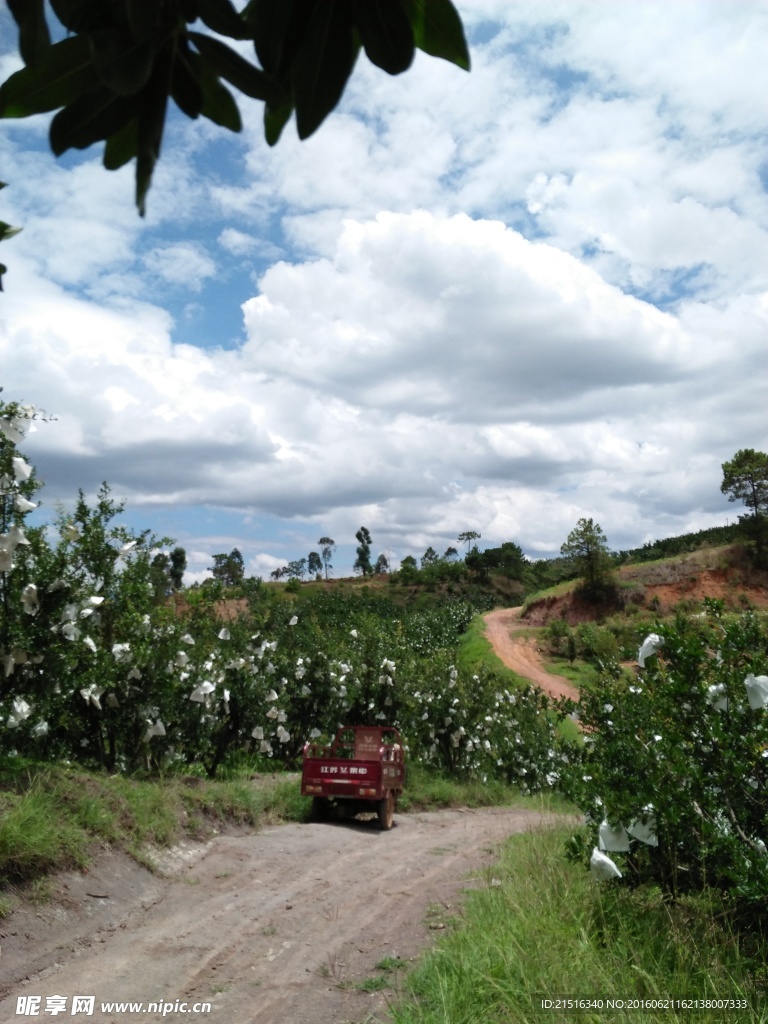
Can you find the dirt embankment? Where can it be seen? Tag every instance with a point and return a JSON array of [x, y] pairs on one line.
[[277, 927], [661, 589]]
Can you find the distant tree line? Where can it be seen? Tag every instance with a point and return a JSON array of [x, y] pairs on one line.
[[681, 545], [584, 555]]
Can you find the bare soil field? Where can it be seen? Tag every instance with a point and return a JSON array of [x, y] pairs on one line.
[[275, 927]]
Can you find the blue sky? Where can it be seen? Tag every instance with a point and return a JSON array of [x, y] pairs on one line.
[[498, 301]]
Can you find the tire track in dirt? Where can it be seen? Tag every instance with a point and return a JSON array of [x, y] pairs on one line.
[[518, 652], [274, 927]]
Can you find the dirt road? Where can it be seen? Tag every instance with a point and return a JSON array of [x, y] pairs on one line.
[[274, 927], [282, 926], [520, 652]]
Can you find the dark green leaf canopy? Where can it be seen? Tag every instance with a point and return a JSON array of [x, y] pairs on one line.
[[111, 78]]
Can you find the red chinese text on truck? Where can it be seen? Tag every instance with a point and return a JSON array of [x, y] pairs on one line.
[[362, 770]]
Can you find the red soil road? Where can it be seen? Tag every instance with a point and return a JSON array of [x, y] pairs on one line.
[[521, 654]]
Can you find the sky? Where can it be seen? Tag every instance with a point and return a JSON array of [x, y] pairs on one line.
[[498, 301]]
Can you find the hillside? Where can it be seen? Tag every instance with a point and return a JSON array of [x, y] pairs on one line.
[[721, 572], [660, 587]]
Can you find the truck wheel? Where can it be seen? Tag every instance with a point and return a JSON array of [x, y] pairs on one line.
[[387, 811], [320, 809]]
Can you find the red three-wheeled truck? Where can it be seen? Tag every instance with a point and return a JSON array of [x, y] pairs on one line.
[[362, 770]]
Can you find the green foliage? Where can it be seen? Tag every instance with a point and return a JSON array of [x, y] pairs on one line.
[[597, 644], [168, 571], [229, 569], [178, 565], [745, 478], [508, 560], [297, 569], [467, 537], [680, 745], [112, 76], [363, 561], [408, 573], [6, 231], [557, 632], [681, 545], [327, 547], [430, 557]]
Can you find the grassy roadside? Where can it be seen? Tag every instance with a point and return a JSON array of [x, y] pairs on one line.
[[558, 590], [540, 927], [429, 791], [55, 817]]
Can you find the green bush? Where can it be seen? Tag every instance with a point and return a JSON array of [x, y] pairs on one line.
[[558, 631], [678, 744], [597, 644]]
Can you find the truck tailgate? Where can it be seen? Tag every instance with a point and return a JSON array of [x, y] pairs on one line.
[[337, 777]]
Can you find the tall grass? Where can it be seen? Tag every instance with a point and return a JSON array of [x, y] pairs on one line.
[[53, 818], [427, 790], [539, 927], [35, 837]]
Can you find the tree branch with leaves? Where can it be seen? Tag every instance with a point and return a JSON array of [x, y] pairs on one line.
[[111, 77]]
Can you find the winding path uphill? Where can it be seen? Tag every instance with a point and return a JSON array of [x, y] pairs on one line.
[[520, 653]]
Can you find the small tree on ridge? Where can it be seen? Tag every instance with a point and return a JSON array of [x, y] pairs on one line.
[[745, 478], [587, 548], [363, 560]]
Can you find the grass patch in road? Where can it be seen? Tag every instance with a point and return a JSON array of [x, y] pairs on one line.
[[580, 673], [373, 984], [391, 963], [541, 927]]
